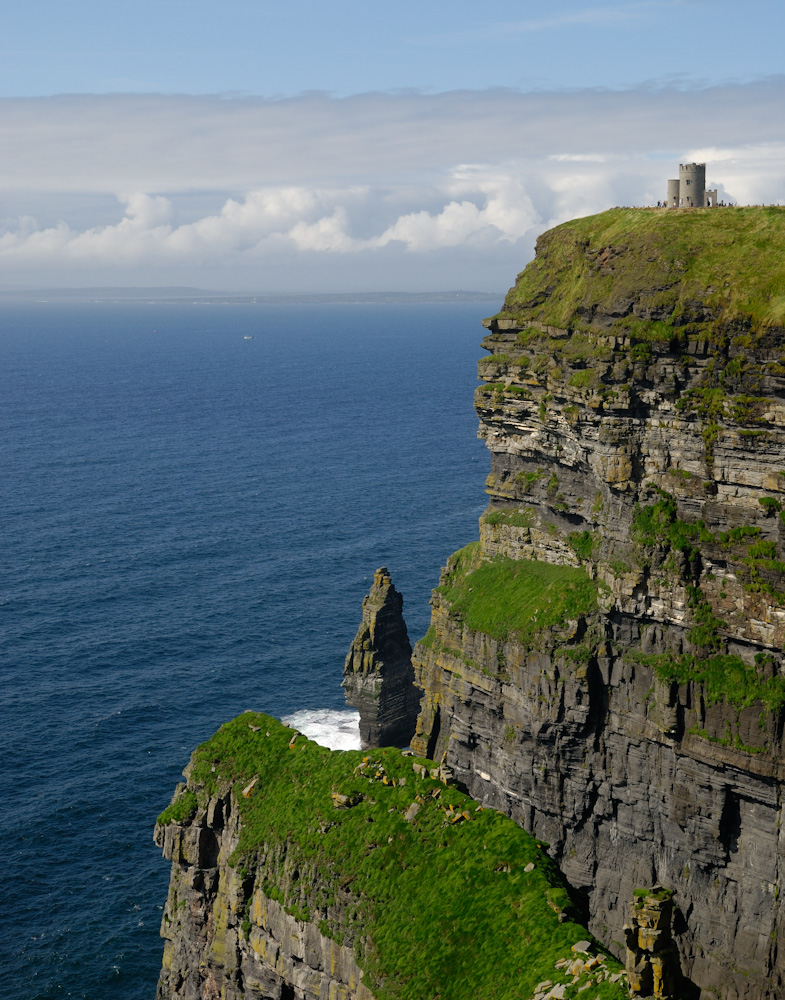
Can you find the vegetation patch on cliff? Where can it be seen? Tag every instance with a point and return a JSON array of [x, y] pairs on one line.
[[447, 899], [522, 517], [504, 596], [182, 807], [723, 678]]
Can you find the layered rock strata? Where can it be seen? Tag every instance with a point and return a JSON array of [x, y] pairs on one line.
[[605, 666], [637, 449], [378, 675]]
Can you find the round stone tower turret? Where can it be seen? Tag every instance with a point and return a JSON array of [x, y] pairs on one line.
[[692, 185], [672, 200]]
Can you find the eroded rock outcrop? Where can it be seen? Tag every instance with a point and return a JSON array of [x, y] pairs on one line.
[[378, 675], [627, 706], [652, 962]]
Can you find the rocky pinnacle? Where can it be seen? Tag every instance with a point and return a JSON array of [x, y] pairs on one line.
[[378, 675], [652, 960]]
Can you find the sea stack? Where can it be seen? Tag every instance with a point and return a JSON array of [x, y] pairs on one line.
[[378, 675]]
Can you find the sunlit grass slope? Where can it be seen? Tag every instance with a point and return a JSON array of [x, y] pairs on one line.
[[447, 903], [672, 264], [520, 596]]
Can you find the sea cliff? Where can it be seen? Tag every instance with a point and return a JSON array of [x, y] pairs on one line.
[[604, 667]]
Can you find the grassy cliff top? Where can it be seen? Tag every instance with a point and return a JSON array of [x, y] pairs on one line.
[[653, 270], [456, 901]]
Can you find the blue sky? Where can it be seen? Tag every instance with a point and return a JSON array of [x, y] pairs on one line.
[[269, 47], [272, 146]]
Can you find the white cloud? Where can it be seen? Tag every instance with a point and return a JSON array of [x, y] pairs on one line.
[[578, 157], [325, 234], [240, 190], [310, 220], [494, 207]]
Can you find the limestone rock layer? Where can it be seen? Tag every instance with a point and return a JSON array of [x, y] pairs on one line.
[[652, 967]]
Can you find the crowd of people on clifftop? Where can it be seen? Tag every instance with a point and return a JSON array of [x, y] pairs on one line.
[[720, 204]]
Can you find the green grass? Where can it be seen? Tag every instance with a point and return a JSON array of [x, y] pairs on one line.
[[181, 810], [428, 639], [729, 260], [738, 535], [658, 524], [723, 677], [507, 596], [448, 908], [523, 517], [583, 379], [705, 633], [582, 543], [528, 479]]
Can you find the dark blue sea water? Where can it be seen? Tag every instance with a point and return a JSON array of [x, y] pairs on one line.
[[189, 523]]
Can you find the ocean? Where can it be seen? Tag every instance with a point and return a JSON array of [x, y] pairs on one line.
[[194, 499]]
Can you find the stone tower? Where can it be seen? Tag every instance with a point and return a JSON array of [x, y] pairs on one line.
[[692, 185], [689, 191]]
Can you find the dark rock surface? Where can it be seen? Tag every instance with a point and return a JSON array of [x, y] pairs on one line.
[[378, 675], [597, 759]]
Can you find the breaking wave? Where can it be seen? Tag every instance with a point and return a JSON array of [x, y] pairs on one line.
[[329, 727]]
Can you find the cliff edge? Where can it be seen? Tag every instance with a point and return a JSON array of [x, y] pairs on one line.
[[300, 872], [606, 664], [603, 675]]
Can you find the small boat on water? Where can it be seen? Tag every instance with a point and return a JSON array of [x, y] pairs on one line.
[[247, 337]]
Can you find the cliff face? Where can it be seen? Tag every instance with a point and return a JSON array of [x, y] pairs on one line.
[[378, 674], [606, 664], [298, 872], [225, 937]]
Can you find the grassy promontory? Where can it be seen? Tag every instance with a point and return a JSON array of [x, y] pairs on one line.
[[447, 899], [650, 271], [501, 597]]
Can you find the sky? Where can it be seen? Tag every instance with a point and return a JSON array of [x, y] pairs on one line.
[[293, 147]]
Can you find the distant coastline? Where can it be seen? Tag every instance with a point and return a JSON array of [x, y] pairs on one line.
[[199, 296]]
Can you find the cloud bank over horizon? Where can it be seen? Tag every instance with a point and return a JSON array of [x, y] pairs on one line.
[[401, 191]]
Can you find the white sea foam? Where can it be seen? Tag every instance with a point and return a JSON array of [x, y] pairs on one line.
[[333, 728]]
